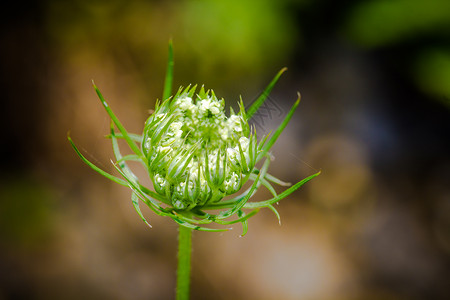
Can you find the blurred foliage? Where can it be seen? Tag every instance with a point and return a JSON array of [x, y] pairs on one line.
[[384, 23], [432, 71], [243, 35], [247, 37]]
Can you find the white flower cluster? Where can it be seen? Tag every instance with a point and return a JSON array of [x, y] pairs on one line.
[[196, 152]]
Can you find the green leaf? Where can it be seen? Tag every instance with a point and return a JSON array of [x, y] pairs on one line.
[[169, 74], [134, 186], [135, 200], [119, 125], [240, 203], [191, 91], [266, 184], [226, 203], [95, 168], [120, 161], [244, 223], [279, 130], [202, 94], [242, 218], [262, 98], [132, 157], [275, 211], [276, 180], [133, 136], [194, 227], [244, 200], [161, 127], [180, 215], [180, 161], [251, 205], [130, 177], [273, 179]]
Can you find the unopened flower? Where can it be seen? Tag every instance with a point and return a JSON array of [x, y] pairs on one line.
[[195, 156], [199, 150]]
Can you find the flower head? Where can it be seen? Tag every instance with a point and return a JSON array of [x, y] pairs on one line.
[[196, 155], [202, 154]]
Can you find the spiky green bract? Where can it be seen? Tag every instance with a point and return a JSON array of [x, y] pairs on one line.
[[195, 156], [263, 97]]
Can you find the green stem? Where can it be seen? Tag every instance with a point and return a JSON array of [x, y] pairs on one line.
[[184, 262]]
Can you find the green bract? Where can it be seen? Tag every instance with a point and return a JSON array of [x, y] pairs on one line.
[[196, 155]]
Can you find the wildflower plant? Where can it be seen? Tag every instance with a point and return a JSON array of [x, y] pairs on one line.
[[196, 155]]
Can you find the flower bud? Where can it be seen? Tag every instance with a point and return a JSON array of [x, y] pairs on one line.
[[196, 154]]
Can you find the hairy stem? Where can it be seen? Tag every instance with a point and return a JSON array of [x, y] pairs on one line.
[[184, 262]]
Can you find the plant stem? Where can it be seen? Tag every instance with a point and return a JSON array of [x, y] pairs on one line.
[[184, 262]]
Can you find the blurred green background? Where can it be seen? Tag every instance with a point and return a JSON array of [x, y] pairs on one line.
[[375, 81]]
